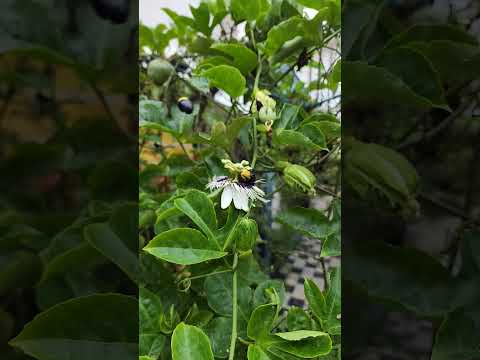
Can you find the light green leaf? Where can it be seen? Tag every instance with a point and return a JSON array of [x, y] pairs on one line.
[[307, 348], [300, 335], [183, 246], [190, 343], [243, 58], [227, 78], [315, 134], [105, 326], [292, 138], [199, 208], [283, 32], [234, 128], [288, 117], [315, 298], [298, 319], [201, 16], [255, 352], [263, 293], [245, 10], [261, 322]]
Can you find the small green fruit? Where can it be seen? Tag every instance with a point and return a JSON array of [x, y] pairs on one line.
[[159, 71], [300, 177]]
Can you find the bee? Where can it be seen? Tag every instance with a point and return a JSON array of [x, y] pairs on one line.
[[247, 177]]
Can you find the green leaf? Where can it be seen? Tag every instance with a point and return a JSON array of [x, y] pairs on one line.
[[151, 345], [298, 319], [199, 208], [382, 168], [300, 335], [234, 128], [97, 326], [292, 138], [219, 331], [190, 343], [315, 134], [429, 283], [306, 347], [255, 352], [457, 337], [310, 222], [102, 238], [283, 32], [245, 10], [263, 293], [375, 85], [183, 246], [243, 58], [19, 269], [81, 256], [330, 129], [249, 270], [149, 308], [415, 71], [315, 298], [429, 33], [288, 117], [227, 78], [220, 295], [261, 322], [330, 318], [201, 16]]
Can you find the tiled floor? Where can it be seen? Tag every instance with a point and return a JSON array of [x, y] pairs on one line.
[[303, 263]]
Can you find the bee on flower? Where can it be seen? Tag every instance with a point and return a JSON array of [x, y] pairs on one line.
[[240, 187]]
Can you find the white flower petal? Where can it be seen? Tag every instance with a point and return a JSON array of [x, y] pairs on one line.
[[240, 199], [227, 196]]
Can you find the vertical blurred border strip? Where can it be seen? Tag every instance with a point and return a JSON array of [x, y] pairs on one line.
[[68, 179], [410, 224]]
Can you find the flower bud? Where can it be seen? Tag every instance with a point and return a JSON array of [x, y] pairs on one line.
[[246, 233], [267, 114], [300, 177]]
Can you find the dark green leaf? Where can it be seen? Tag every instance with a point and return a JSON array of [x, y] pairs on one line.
[[97, 326]]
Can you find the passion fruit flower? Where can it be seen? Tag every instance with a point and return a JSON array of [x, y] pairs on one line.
[[264, 105], [240, 187]]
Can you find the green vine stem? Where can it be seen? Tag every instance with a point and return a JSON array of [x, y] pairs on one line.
[[233, 341], [255, 88]]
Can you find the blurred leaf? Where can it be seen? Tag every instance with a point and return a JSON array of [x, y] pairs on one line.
[[310, 222], [106, 328], [243, 58], [227, 78]]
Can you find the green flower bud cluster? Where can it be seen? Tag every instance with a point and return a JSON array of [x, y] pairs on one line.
[[264, 105]]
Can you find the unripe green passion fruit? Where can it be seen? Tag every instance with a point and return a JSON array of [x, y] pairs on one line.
[[159, 71]]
